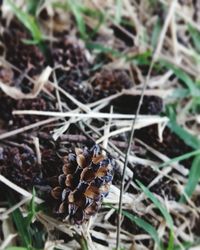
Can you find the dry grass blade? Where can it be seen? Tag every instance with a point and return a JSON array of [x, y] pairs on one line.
[[17, 94], [122, 71], [19, 189]]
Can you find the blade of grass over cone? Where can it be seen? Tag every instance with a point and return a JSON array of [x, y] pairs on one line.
[[193, 180], [28, 21], [147, 227], [164, 212], [189, 139], [184, 77]]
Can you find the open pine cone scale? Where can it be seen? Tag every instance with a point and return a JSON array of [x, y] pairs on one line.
[[86, 179]]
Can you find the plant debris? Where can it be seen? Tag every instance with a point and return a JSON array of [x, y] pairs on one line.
[[71, 79]]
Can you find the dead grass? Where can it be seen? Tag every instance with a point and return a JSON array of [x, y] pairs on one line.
[[163, 28]]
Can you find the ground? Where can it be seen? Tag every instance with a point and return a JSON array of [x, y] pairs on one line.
[[99, 124]]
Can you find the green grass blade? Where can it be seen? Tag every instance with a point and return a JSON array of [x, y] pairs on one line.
[[28, 21], [195, 35], [118, 12], [194, 177], [180, 93], [189, 139], [145, 226], [157, 203], [95, 14], [141, 59], [184, 77], [32, 210], [180, 158], [32, 6], [103, 49], [163, 210], [155, 34], [75, 9], [19, 221]]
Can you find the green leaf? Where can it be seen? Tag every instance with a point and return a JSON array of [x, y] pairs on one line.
[[95, 14], [163, 210], [195, 35], [184, 77], [31, 210], [32, 6], [19, 221], [189, 139], [180, 93], [180, 158], [118, 12], [75, 8], [103, 49], [141, 59], [28, 21], [145, 226], [157, 203], [155, 34], [194, 177]]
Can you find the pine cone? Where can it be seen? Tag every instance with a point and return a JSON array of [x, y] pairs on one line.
[[128, 104], [70, 55], [38, 103], [26, 57], [172, 145], [109, 82], [19, 165], [86, 179]]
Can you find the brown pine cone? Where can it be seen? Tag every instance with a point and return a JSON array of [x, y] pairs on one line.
[[69, 56], [17, 52], [19, 165], [86, 179], [39, 103], [108, 82], [28, 58], [172, 145], [128, 104]]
